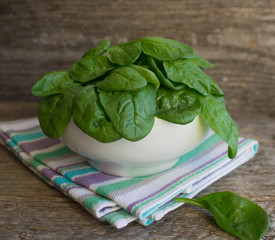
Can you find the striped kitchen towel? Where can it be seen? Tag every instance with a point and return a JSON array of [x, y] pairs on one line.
[[121, 200]]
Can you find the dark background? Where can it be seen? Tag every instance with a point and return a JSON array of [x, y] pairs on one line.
[[237, 36]]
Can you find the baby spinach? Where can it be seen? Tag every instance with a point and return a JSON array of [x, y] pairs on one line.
[[89, 68], [99, 49], [53, 83], [132, 113], [179, 107], [124, 54], [55, 111], [201, 62], [215, 90], [123, 79], [214, 113], [122, 92], [90, 117], [187, 73], [164, 81], [147, 74], [234, 214], [165, 49]]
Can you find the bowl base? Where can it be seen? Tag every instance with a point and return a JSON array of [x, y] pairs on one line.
[[132, 170]]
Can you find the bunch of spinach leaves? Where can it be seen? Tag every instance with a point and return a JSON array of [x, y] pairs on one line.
[[116, 92]]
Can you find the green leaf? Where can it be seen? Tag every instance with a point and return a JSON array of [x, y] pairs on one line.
[[147, 74], [164, 81], [200, 61], [124, 54], [214, 113], [123, 79], [142, 60], [189, 74], [165, 49], [90, 117], [132, 113], [99, 49], [179, 107], [53, 83], [215, 90], [234, 214], [89, 68], [55, 112]]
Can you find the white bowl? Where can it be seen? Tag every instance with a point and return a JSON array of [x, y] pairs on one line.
[[157, 152]]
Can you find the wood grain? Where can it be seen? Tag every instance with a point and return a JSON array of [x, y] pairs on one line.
[[238, 36]]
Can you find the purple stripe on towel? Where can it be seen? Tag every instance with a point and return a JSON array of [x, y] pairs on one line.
[[48, 173], [94, 178], [131, 206], [23, 130], [4, 136], [39, 144]]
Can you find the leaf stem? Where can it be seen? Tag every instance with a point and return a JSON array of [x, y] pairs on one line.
[[191, 201]]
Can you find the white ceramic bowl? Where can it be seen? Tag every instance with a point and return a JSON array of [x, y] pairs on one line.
[[157, 152]]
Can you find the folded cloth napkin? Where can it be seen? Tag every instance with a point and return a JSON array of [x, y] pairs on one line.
[[121, 200]]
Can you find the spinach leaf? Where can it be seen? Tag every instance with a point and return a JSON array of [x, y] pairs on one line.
[[234, 214], [164, 81], [124, 54], [215, 90], [90, 117], [200, 61], [123, 79], [53, 83], [179, 107], [147, 74], [132, 113], [55, 112], [214, 113], [188, 73], [165, 49], [89, 68], [142, 60], [99, 49]]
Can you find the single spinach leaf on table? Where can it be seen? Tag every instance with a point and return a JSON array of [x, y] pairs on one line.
[[53, 83], [215, 114], [188, 73], [90, 67], [165, 49], [55, 112], [90, 117], [124, 54], [164, 81], [123, 79], [99, 49], [132, 113], [235, 214], [179, 107]]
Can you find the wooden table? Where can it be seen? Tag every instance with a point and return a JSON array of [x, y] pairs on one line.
[[30, 209], [41, 36]]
